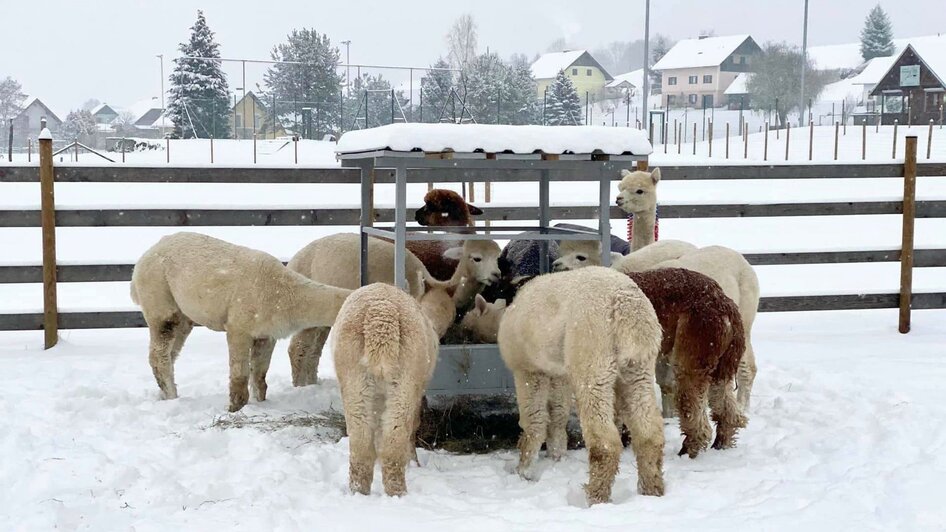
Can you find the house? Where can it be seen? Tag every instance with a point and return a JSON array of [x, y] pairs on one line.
[[623, 84], [250, 115], [911, 91], [27, 122], [697, 72], [588, 76], [846, 58], [104, 114], [737, 94]]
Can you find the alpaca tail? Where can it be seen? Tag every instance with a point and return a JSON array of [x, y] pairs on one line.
[[735, 341], [382, 333]]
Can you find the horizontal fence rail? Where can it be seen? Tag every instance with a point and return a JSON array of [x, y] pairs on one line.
[[447, 172]]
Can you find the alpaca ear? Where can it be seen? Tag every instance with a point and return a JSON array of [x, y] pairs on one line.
[[625, 172], [474, 210], [655, 175], [453, 253], [481, 304]]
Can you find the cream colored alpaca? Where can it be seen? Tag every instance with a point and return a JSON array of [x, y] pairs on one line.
[[189, 278], [385, 349], [594, 331], [334, 260], [482, 322]]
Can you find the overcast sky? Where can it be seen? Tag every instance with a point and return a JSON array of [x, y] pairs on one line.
[[67, 51]]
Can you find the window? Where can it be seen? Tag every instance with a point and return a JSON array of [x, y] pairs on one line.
[[588, 72], [693, 98], [574, 71], [694, 80], [743, 59], [672, 80], [708, 78]]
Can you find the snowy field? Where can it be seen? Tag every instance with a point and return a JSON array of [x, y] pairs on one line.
[[844, 433]]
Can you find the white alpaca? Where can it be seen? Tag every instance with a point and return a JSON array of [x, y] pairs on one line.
[[334, 260], [591, 330], [385, 348], [189, 278], [482, 321]]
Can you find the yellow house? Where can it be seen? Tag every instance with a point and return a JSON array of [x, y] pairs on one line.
[[585, 73], [249, 115]]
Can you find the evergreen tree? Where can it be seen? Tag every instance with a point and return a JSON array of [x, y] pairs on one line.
[[877, 35], [483, 81], [316, 83], [79, 124], [199, 99], [11, 98], [563, 107], [435, 90], [519, 103], [378, 92]]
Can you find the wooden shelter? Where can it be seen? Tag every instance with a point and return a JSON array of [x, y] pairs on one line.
[[912, 91]]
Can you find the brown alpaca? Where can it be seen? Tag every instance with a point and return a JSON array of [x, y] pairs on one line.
[[443, 208], [703, 337]]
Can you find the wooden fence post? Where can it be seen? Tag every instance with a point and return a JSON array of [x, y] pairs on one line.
[[811, 139], [765, 145], [788, 136], [679, 138], [211, 149], [906, 246], [167, 148], [745, 140], [694, 138], [836, 126], [864, 140], [710, 133], [929, 140], [254, 148], [894, 154], [48, 206], [727, 140]]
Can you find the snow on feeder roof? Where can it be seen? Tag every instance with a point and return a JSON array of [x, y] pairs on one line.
[[470, 138]]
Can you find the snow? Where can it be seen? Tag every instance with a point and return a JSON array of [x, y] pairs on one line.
[[848, 55], [548, 65], [495, 139], [874, 71], [695, 53], [45, 134], [634, 77], [841, 90], [933, 53], [841, 435], [739, 85]]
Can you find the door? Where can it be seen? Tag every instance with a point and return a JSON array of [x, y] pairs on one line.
[[707, 101]]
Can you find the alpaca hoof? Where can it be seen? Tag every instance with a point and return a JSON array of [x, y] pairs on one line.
[[165, 395], [398, 491], [238, 401], [722, 443], [357, 489], [597, 496], [652, 489], [260, 392], [526, 473], [692, 452]]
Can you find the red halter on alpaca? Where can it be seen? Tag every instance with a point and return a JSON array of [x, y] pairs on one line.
[[630, 226]]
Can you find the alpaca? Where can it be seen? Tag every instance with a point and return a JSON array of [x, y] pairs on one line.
[[385, 349], [482, 322], [189, 278], [518, 263], [637, 195], [334, 260], [598, 336], [703, 340], [725, 266], [442, 208]]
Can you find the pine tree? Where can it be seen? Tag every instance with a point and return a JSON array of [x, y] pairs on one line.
[[199, 99], [877, 35], [563, 107], [482, 83], [310, 80], [79, 124], [519, 103], [435, 90]]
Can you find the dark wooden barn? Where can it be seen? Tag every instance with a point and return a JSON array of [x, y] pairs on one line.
[[912, 91]]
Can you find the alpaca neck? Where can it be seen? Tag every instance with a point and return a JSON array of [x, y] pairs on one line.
[[440, 313], [315, 304], [643, 233]]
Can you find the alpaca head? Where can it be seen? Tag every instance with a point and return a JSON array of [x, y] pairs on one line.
[[480, 258], [637, 191], [575, 254], [446, 208], [483, 320]]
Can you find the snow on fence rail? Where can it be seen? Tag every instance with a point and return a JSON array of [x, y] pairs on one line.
[[331, 216]]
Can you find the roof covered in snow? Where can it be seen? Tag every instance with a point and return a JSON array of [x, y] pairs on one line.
[[873, 71], [705, 52], [548, 65], [469, 138], [933, 53], [848, 55], [634, 77], [740, 85], [103, 108], [31, 101]]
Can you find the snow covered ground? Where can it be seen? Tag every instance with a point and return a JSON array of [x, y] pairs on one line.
[[845, 433]]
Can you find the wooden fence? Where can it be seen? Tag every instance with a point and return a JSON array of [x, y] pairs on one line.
[[50, 273]]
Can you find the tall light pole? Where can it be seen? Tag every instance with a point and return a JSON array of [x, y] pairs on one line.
[[161, 58], [646, 87], [347, 65], [804, 66]]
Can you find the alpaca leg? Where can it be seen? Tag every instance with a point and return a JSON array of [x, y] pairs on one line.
[[397, 443], [727, 414], [160, 353], [360, 422], [665, 378], [691, 393], [556, 439], [532, 394], [746, 375], [180, 336], [642, 417], [240, 346], [259, 365], [594, 396], [305, 350]]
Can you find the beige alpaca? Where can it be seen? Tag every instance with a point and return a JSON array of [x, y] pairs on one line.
[[385, 349], [482, 321], [594, 331], [189, 278], [334, 260]]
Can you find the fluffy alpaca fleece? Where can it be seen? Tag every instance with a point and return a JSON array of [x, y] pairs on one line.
[[650, 256], [385, 349], [637, 195], [189, 278], [334, 260], [593, 331], [443, 208], [482, 322], [738, 281], [704, 340]]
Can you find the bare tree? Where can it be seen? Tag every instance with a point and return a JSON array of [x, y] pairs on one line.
[[461, 41], [124, 123]]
